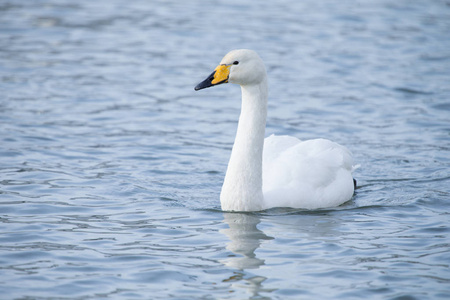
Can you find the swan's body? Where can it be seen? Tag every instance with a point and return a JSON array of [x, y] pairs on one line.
[[310, 174]]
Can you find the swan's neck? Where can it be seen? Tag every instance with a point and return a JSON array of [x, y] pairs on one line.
[[242, 187]]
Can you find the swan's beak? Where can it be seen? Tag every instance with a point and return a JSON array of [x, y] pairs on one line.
[[219, 76]]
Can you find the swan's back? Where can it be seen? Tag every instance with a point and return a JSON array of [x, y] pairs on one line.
[[310, 174]]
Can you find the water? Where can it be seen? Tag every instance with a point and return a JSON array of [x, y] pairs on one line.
[[111, 165]]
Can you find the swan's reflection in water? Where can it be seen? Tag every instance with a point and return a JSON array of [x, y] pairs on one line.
[[245, 238]]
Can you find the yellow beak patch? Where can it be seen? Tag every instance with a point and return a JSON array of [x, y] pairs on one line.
[[221, 74]]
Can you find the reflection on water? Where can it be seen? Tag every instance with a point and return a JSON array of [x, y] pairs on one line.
[[309, 231], [253, 285], [245, 238]]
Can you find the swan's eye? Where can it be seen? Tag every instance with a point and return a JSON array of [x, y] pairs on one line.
[[236, 62]]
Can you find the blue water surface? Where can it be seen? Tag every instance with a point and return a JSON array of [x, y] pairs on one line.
[[111, 164]]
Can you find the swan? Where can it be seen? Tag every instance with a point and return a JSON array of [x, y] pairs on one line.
[[279, 171]]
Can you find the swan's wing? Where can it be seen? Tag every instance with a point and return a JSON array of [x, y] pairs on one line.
[[274, 145], [310, 174]]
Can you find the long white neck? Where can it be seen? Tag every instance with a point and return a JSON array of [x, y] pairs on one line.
[[242, 187]]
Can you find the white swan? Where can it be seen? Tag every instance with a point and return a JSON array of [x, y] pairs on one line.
[[288, 173]]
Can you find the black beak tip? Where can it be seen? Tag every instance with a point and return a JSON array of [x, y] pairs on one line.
[[205, 83], [202, 85]]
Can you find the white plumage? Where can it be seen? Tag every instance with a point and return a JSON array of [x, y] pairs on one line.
[[279, 171], [310, 174]]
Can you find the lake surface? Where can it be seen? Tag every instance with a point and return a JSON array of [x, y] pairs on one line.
[[111, 164]]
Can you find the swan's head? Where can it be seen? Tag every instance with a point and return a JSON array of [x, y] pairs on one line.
[[243, 67]]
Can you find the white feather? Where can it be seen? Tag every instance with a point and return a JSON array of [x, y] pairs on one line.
[[310, 174]]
